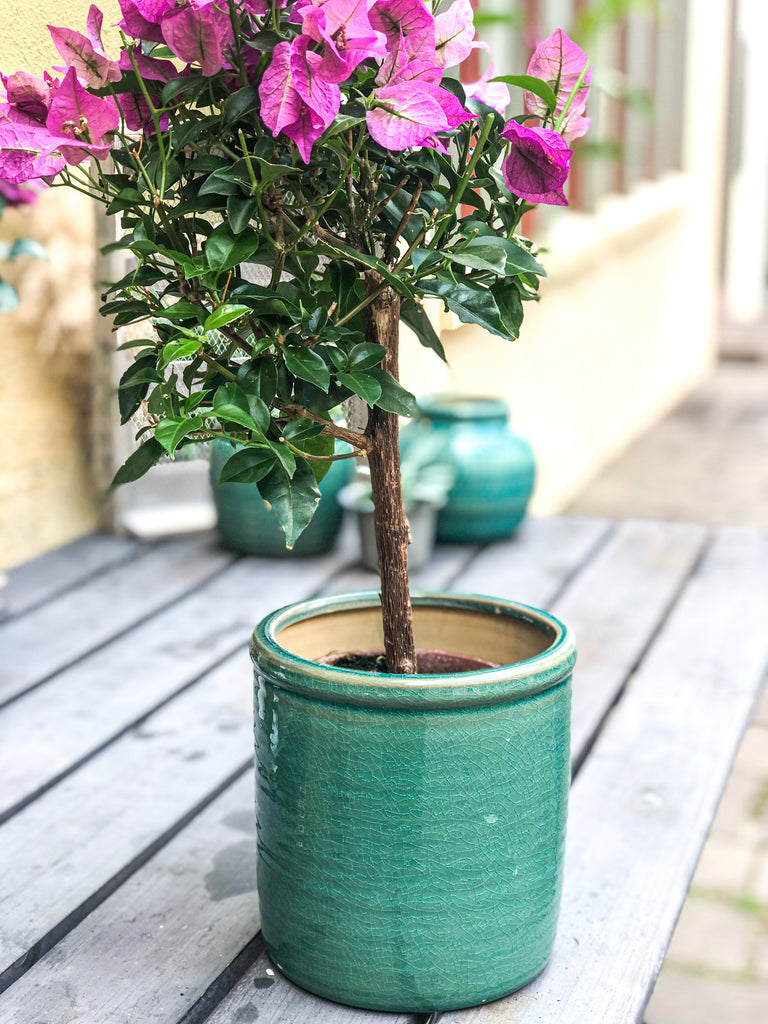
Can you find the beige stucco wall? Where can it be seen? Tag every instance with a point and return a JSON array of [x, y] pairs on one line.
[[46, 493], [24, 40]]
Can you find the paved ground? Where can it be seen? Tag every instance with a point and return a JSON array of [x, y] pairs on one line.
[[708, 461]]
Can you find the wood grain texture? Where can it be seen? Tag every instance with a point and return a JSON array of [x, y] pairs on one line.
[[151, 950], [615, 605], [643, 802], [534, 564], [50, 574], [448, 561], [89, 832], [107, 691], [60, 632]]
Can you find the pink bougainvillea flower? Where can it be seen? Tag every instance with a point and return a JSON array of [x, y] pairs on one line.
[[150, 68], [321, 96], [454, 32], [17, 195], [83, 122], [537, 165], [493, 94], [306, 130], [29, 94], [198, 33], [574, 125], [559, 62], [258, 7], [86, 55], [135, 23], [280, 101], [27, 151], [342, 50], [405, 115], [406, 24]]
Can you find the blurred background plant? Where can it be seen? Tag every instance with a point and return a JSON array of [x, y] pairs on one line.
[[11, 196]]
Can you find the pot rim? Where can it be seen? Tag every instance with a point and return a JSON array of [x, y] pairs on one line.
[[503, 683]]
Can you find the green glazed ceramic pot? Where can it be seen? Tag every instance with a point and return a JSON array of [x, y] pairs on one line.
[[411, 829], [247, 526], [494, 467]]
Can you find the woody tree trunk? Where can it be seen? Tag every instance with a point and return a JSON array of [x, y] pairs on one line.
[[392, 532]]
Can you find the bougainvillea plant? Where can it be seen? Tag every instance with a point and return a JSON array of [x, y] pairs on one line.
[[330, 143]]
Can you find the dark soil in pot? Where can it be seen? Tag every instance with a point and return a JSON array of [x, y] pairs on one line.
[[428, 662]]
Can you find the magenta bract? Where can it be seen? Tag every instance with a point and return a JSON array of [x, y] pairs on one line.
[[559, 62], [81, 123], [198, 34], [537, 165], [78, 52], [454, 32], [493, 94]]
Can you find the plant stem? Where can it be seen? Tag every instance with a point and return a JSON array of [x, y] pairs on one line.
[[392, 531]]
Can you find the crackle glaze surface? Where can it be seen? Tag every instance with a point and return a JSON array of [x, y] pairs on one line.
[[411, 834], [247, 526], [494, 467]]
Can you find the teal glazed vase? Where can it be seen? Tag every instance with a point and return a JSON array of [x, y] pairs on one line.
[[494, 467], [411, 828], [246, 524]]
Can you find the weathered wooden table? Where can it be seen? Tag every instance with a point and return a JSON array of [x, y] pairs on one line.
[[127, 878]]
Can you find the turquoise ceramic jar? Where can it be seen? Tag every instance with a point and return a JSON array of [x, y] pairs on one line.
[[247, 526], [494, 467], [411, 829]]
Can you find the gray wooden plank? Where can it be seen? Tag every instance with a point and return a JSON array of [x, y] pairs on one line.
[[64, 852], [50, 574], [46, 640], [264, 994], [534, 564], [446, 563], [643, 802], [115, 686], [151, 950], [614, 607]]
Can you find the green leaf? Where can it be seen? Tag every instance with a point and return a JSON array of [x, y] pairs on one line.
[[363, 384], [260, 413], [510, 307], [320, 445], [267, 173], [180, 349], [225, 315], [224, 249], [230, 403], [137, 464], [285, 456], [308, 365], [531, 84], [240, 209], [172, 431], [517, 259], [240, 103], [296, 431], [412, 314], [182, 310], [472, 303], [336, 249], [247, 466], [293, 500], [365, 355], [221, 183], [394, 397]]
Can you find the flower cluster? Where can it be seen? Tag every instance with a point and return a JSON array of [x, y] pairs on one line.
[[309, 60]]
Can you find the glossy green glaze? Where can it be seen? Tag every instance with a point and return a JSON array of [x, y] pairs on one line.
[[246, 524], [411, 829], [495, 468]]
